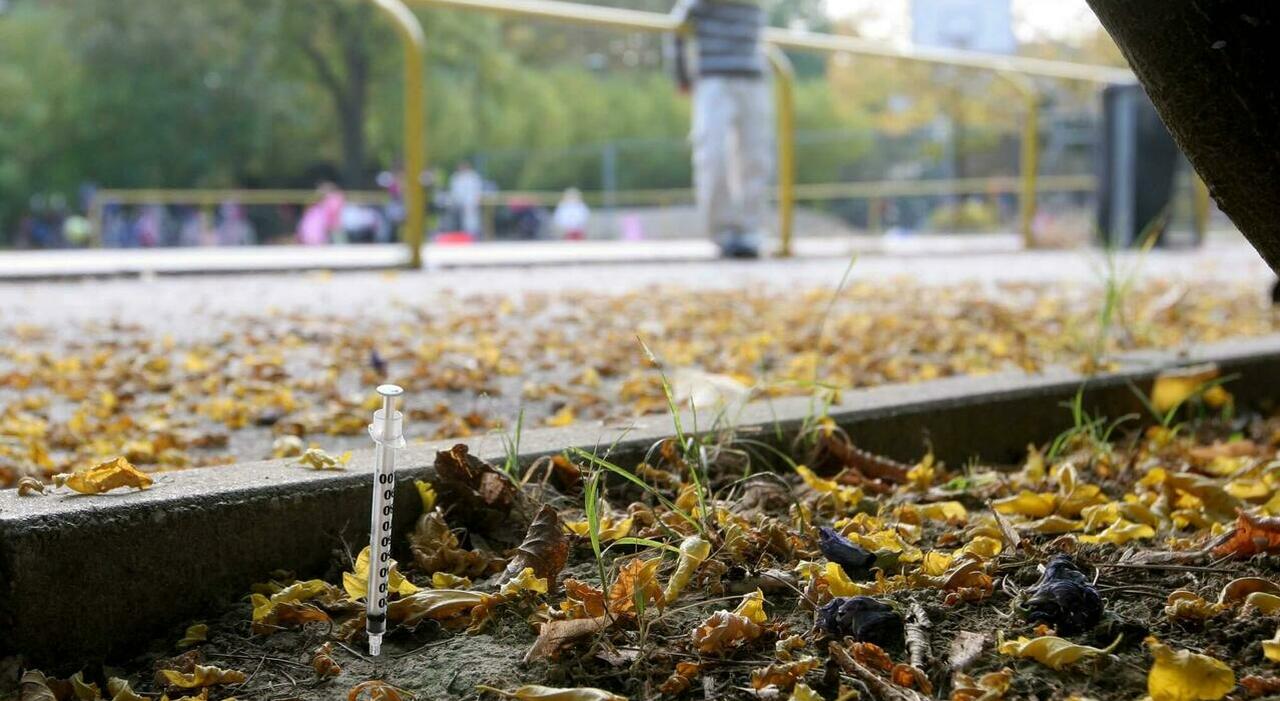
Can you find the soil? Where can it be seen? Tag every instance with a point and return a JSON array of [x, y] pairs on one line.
[[636, 655]]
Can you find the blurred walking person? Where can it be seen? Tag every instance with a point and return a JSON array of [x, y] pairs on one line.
[[323, 218], [571, 216], [732, 134], [465, 188]]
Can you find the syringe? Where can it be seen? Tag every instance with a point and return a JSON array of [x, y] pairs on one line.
[[387, 431]]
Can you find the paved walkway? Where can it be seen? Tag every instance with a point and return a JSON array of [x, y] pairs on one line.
[[185, 303], [26, 265]]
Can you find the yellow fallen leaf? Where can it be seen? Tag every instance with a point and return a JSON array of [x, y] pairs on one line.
[[935, 563], [802, 692], [82, 690], [752, 607], [119, 690], [562, 418], [1185, 605], [1026, 503], [1262, 601], [844, 495], [357, 583], [526, 581], [839, 584], [982, 547], [1099, 516], [427, 494], [609, 528], [1052, 525], [202, 676], [1271, 648], [1121, 532], [535, 692], [444, 580], [1174, 387], [1052, 651], [195, 635], [105, 477], [952, 511], [693, 551], [1186, 676], [318, 459]]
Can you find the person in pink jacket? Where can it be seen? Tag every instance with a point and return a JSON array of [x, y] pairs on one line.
[[322, 218]]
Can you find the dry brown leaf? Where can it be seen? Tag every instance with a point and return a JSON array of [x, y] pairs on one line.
[[545, 548], [965, 648], [323, 663], [201, 676], [35, 686], [484, 499], [681, 679], [433, 604], [1240, 588], [875, 683], [436, 549], [582, 600], [29, 487], [871, 655], [374, 690], [1260, 686], [636, 577], [554, 635], [785, 675], [911, 677], [1253, 535], [724, 631], [989, 687], [105, 477]]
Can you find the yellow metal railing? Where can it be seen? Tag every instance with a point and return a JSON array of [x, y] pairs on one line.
[[414, 43]]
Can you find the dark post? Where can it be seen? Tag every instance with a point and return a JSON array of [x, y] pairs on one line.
[[1213, 72]]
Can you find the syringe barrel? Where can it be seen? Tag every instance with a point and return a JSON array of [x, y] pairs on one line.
[[387, 434]]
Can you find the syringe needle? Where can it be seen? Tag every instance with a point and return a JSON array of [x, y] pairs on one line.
[[387, 431]]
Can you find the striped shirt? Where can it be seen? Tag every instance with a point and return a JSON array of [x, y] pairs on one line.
[[726, 36]]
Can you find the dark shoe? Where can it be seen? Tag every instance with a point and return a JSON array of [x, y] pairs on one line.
[[741, 246]]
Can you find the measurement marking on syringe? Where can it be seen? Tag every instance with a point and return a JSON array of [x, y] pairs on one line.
[[387, 431]]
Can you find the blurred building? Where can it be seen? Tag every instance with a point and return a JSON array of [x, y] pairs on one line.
[[970, 25]]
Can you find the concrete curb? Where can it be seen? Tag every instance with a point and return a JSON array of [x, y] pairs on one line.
[[25, 266], [95, 577]]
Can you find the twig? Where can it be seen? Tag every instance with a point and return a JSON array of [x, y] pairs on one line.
[[879, 687], [917, 628], [1171, 567]]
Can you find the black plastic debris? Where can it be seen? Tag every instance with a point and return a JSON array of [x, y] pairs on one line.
[[855, 560], [862, 618], [1063, 598]]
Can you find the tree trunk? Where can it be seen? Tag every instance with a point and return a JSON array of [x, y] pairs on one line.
[[354, 97], [351, 123], [1209, 67]]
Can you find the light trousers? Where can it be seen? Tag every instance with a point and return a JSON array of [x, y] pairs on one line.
[[732, 141]]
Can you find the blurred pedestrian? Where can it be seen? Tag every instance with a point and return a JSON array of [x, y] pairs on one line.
[[323, 218], [571, 216], [465, 190], [732, 133]]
